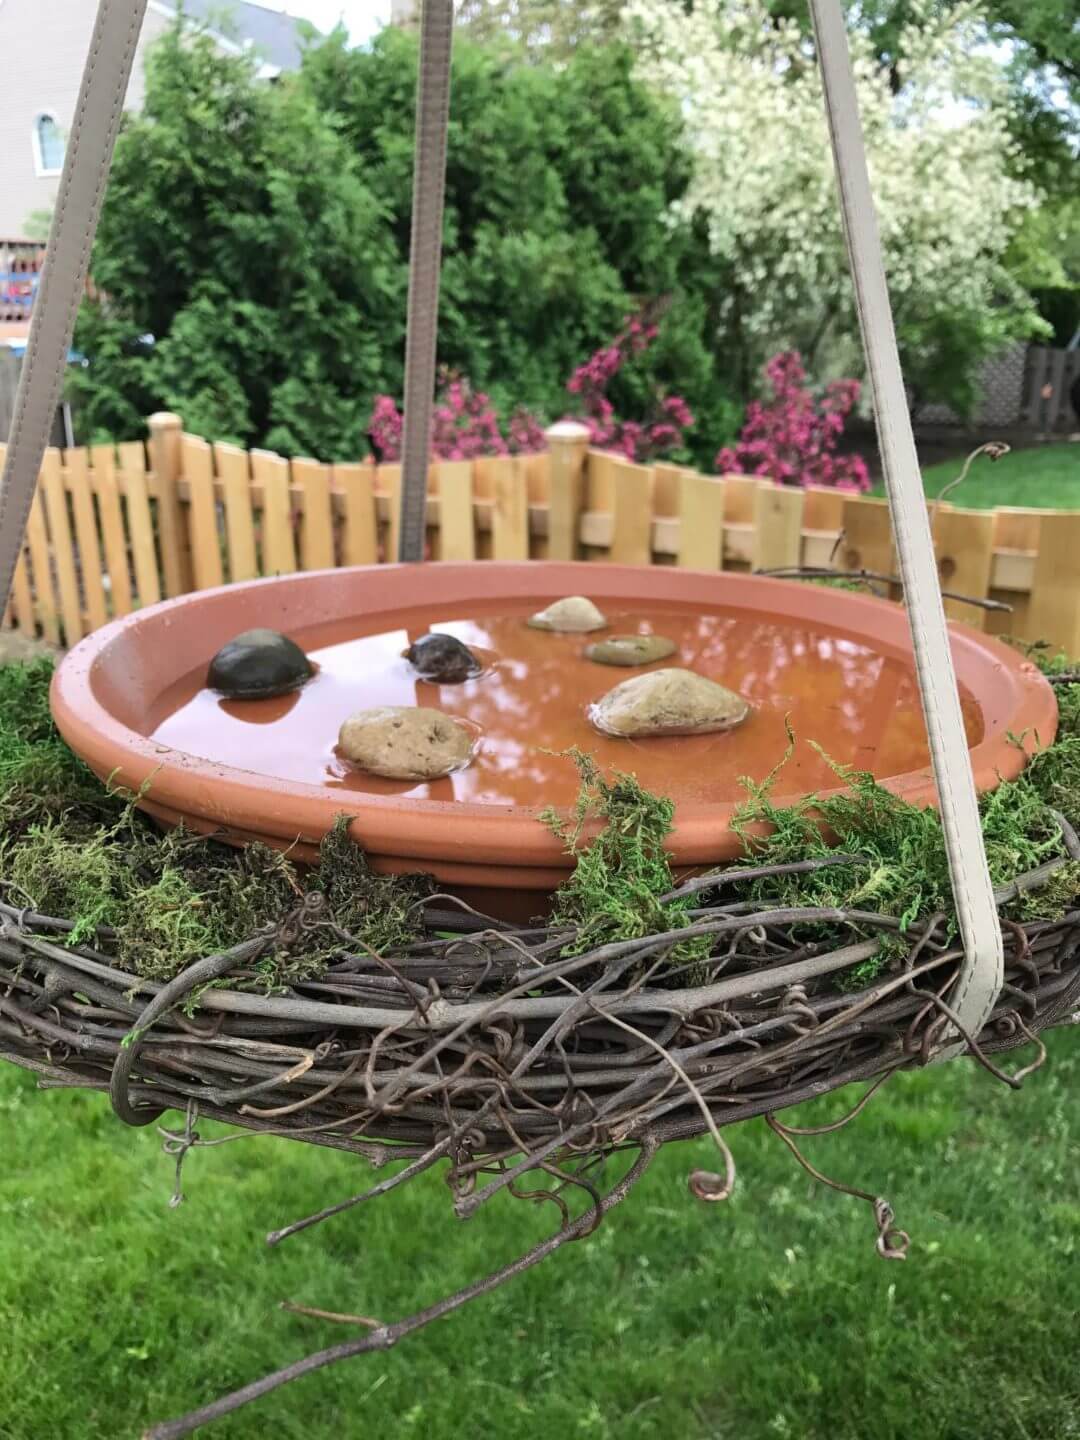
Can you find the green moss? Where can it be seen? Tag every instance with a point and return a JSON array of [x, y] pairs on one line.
[[891, 951], [75, 849], [73, 878], [908, 872], [840, 582], [40, 778], [1052, 900], [166, 929], [619, 879], [380, 911], [24, 704]]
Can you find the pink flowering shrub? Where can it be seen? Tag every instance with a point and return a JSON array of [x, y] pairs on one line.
[[793, 437], [465, 424], [638, 440], [385, 428], [526, 434]]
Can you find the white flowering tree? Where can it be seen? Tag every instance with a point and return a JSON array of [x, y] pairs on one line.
[[941, 160]]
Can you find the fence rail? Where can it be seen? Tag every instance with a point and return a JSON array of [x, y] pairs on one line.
[[114, 528]]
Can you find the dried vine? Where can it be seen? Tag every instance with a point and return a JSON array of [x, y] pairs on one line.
[[518, 1067]]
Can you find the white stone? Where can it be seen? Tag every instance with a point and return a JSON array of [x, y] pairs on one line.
[[574, 615]]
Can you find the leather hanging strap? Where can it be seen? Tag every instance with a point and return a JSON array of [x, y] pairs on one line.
[[982, 971], [425, 256], [63, 278]]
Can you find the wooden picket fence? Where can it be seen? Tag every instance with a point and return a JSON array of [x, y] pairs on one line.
[[113, 528]]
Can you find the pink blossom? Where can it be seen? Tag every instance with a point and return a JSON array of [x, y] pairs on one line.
[[465, 424], [640, 440], [793, 438]]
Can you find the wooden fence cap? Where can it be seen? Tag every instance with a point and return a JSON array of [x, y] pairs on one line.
[[566, 430]]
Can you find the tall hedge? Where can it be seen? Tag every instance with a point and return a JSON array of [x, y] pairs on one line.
[[254, 242]]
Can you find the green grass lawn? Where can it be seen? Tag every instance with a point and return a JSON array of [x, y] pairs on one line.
[[765, 1317], [1043, 478]]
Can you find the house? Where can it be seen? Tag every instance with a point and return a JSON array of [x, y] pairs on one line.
[[44, 48]]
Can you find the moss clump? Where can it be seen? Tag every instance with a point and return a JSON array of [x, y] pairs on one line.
[[73, 848], [1051, 901], [75, 879], [189, 897], [843, 582], [619, 880], [906, 872], [1054, 775], [380, 911], [40, 778]]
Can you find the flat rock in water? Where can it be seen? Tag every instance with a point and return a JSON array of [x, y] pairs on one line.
[[630, 649], [575, 615], [402, 742], [443, 659], [258, 665], [668, 702]]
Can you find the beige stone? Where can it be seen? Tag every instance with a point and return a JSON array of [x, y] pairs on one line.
[[402, 742], [630, 649], [668, 702], [574, 615]]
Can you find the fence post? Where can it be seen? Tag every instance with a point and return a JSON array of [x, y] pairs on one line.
[[868, 538], [964, 541], [165, 451], [701, 522], [568, 442], [778, 517], [1054, 613]]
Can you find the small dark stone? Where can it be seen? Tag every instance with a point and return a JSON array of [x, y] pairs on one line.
[[258, 665], [443, 659]]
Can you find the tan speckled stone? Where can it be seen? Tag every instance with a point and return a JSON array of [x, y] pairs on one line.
[[668, 702], [630, 649], [402, 742]]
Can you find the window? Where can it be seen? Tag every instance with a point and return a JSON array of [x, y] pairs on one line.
[[48, 146]]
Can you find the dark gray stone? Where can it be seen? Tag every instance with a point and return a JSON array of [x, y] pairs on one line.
[[258, 665], [443, 659]]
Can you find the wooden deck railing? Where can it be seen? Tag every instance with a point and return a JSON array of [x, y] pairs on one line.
[[114, 528]]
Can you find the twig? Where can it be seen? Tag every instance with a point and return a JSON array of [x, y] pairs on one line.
[[386, 1336], [820, 572], [315, 1314], [892, 1244], [738, 874], [1068, 835], [993, 450]]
